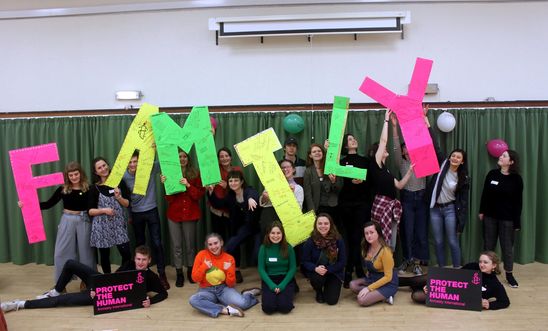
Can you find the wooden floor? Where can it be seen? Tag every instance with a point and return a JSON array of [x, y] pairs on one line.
[[528, 310]]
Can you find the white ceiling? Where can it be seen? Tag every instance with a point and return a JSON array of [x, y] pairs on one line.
[[12, 5]]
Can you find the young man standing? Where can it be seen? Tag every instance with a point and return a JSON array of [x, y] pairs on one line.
[[143, 212], [54, 298], [290, 153]]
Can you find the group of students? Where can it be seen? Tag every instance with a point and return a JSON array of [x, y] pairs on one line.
[[367, 212]]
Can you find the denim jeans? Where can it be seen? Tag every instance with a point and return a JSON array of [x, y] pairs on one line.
[[415, 225], [151, 218], [444, 221], [211, 300]]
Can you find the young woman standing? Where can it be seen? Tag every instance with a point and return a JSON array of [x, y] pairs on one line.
[[500, 209], [183, 214], [109, 223]]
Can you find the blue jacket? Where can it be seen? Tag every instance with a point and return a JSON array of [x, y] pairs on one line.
[[311, 255]]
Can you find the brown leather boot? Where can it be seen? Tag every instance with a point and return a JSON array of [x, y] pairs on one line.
[[164, 282]]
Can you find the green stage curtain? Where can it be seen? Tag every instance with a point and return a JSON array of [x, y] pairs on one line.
[[84, 137]]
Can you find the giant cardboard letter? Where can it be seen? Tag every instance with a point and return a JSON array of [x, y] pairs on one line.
[[259, 151], [26, 185], [336, 130], [408, 109], [196, 131], [139, 136]]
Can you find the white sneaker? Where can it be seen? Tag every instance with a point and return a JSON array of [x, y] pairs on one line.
[[390, 300], [235, 311], [12, 305], [49, 294]]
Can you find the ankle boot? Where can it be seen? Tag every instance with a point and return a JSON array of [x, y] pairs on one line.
[[180, 281], [189, 275]]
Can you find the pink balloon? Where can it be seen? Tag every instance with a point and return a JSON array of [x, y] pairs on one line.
[[496, 147], [213, 122]]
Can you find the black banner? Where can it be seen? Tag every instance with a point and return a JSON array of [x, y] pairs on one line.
[[454, 289], [119, 291]]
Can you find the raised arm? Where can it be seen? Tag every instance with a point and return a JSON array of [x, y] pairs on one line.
[[383, 139]]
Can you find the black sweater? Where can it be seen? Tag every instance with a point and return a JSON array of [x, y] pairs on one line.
[[153, 283], [491, 288], [502, 197], [355, 194]]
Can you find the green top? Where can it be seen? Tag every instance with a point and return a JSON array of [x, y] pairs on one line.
[[271, 264]]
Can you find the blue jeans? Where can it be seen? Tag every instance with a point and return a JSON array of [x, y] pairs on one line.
[[415, 225], [444, 219], [211, 300], [140, 221]]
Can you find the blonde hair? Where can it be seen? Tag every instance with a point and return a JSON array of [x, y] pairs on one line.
[[71, 167]]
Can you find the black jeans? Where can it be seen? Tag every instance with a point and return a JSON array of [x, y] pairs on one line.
[[353, 217], [503, 230], [71, 268], [124, 251], [151, 218], [329, 285]]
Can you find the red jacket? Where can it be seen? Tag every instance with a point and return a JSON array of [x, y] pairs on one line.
[[185, 206]]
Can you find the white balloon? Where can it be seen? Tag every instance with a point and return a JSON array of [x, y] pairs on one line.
[[446, 122]]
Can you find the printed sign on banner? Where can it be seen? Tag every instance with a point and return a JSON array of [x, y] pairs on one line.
[[454, 289], [119, 291], [259, 151], [26, 185], [336, 134], [408, 109]]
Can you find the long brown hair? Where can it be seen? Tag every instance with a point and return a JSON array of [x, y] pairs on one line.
[[328, 243], [333, 233], [365, 245], [70, 167], [309, 161], [189, 172], [283, 244]]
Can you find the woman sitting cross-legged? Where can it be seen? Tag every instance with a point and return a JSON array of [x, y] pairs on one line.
[[323, 260], [380, 282], [277, 268], [214, 270]]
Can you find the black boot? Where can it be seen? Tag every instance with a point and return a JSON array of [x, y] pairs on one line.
[[319, 297], [239, 277], [347, 279], [180, 281], [189, 275]]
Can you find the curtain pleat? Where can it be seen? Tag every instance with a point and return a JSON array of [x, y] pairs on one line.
[[83, 138]]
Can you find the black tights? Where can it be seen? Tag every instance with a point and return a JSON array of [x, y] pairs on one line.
[[105, 256]]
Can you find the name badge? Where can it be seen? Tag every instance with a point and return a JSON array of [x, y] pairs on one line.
[[272, 259], [494, 182]]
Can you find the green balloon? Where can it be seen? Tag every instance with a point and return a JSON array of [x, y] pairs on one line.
[[293, 123]]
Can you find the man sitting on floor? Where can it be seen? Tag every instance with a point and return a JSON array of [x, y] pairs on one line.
[[54, 298]]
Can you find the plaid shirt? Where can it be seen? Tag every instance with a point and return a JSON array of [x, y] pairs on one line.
[[384, 211]]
